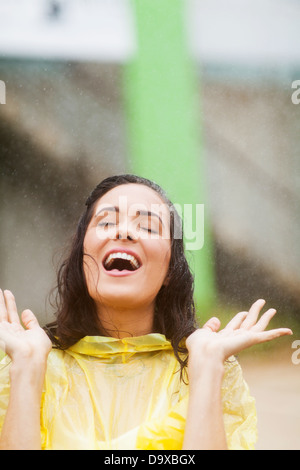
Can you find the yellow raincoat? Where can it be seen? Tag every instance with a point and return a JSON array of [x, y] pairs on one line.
[[106, 393]]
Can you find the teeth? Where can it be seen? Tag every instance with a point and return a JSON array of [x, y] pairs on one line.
[[134, 262]]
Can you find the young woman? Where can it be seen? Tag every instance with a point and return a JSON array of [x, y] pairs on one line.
[[127, 366]]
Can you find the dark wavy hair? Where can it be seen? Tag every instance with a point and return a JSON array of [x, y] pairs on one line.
[[76, 314]]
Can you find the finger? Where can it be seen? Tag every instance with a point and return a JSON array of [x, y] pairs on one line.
[[262, 324], [269, 335], [212, 324], [241, 342], [3, 311], [29, 319], [253, 314], [236, 321], [12, 312]]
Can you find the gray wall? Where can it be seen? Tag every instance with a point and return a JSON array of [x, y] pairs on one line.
[[253, 161]]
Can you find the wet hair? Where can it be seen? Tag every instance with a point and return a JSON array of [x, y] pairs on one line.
[[76, 314]]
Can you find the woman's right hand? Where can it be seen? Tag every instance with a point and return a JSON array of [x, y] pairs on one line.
[[21, 343]]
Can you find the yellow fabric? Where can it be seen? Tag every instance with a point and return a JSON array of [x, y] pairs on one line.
[[105, 393]]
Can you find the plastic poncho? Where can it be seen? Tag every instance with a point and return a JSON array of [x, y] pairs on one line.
[[107, 393]]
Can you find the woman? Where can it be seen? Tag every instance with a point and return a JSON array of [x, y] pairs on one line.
[[127, 367]]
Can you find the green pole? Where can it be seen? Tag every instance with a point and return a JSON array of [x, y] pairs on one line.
[[162, 114]]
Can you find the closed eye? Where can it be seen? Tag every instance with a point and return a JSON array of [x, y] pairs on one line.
[[105, 224], [110, 224], [150, 230]]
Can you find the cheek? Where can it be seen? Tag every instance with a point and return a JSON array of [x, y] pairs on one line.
[[91, 247], [89, 243], [159, 257], [92, 243]]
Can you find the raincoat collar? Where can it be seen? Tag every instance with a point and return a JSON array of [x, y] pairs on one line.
[[102, 345]]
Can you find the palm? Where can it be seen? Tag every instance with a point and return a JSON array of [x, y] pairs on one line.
[[242, 332], [16, 340]]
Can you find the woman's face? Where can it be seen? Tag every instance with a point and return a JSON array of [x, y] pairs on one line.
[[129, 240]]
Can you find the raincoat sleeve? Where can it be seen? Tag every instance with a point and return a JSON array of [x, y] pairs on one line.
[[239, 409]]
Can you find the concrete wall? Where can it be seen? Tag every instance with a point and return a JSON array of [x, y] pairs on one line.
[[253, 162]]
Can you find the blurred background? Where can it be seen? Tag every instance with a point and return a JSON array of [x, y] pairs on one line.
[[195, 94]]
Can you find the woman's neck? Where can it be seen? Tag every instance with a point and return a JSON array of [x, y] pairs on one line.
[[125, 322]]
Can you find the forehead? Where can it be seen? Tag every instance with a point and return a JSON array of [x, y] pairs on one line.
[[133, 196]]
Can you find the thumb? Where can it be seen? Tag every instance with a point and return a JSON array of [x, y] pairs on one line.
[[29, 319], [212, 324]]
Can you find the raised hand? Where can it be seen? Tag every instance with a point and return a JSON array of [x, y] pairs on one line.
[[242, 332], [21, 342]]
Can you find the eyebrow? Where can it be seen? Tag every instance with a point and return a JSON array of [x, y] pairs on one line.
[[150, 214], [107, 209], [141, 212]]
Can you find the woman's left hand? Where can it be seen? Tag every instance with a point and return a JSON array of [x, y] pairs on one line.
[[242, 332]]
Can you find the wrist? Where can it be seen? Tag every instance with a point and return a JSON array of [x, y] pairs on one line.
[[31, 372], [26, 356], [204, 365], [207, 354]]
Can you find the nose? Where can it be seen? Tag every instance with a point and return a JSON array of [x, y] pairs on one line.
[[124, 231], [120, 237]]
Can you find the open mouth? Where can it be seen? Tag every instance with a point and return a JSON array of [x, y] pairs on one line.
[[121, 261]]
